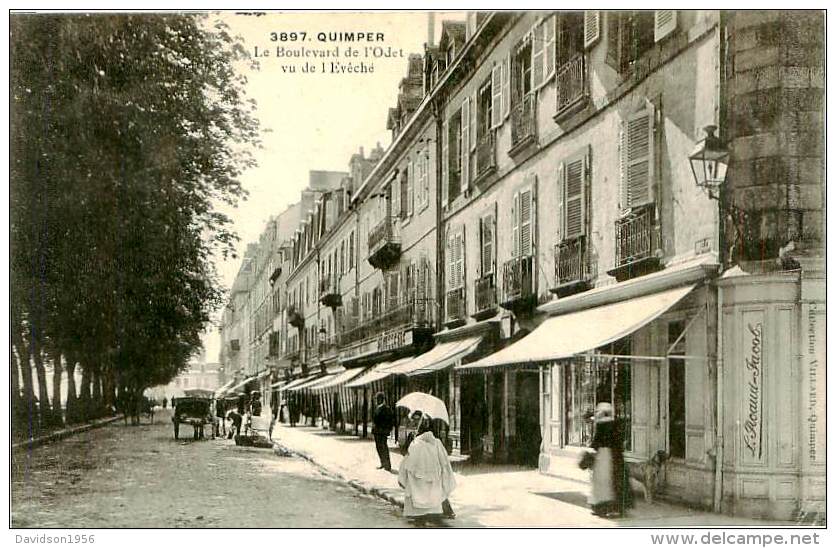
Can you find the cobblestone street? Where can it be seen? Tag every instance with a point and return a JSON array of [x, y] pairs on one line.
[[122, 476]]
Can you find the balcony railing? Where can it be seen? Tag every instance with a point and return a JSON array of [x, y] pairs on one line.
[[518, 282], [485, 292], [572, 267], [571, 83], [329, 291], [637, 244], [412, 313], [456, 307], [292, 356], [523, 121], [485, 159], [384, 243], [329, 346]]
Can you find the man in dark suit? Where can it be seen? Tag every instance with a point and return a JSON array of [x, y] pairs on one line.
[[382, 421]]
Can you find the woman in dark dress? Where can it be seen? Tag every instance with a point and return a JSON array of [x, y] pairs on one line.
[[610, 484]]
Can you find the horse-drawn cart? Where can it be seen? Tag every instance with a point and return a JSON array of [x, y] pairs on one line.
[[196, 411]]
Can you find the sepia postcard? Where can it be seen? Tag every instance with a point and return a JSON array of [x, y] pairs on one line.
[[417, 269]]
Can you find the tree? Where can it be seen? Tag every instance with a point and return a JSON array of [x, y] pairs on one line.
[[126, 129]]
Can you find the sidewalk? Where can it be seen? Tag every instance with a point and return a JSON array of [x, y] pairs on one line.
[[31, 443], [487, 495]]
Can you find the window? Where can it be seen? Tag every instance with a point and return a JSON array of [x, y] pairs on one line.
[[403, 188], [542, 52], [570, 36], [676, 390], [573, 185], [487, 232], [522, 222], [637, 162], [342, 258], [629, 35], [422, 183], [454, 158], [484, 112], [521, 75], [397, 191], [351, 250], [410, 188], [392, 289]]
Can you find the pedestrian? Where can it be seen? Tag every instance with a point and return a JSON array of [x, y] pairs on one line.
[[274, 409], [426, 475], [235, 428], [291, 409], [220, 413], [165, 402], [610, 487], [382, 421]]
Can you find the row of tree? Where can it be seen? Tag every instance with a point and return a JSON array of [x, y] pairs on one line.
[[126, 130]]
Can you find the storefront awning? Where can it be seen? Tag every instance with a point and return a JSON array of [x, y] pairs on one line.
[[242, 384], [312, 383], [296, 382], [443, 355], [278, 384], [376, 373], [578, 332], [340, 379], [224, 389]]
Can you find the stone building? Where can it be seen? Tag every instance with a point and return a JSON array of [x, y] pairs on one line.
[[538, 238]]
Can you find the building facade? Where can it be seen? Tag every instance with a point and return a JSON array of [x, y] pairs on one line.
[[536, 240]]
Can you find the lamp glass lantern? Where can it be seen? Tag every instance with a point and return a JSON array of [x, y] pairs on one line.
[[710, 161]]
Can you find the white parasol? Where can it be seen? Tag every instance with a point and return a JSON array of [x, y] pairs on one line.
[[425, 403]]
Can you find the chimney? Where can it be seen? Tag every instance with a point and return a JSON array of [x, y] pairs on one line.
[[431, 29], [362, 155]]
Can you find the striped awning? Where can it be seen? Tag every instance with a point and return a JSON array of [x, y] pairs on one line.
[[440, 357], [296, 382], [340, 379], [376, 373]]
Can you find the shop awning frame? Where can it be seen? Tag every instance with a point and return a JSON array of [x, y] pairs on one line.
[[440, 357], [580, 332]]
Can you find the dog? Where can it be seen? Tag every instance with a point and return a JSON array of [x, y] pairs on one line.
[[644, 476]]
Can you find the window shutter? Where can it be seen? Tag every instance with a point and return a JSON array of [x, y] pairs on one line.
[[515, 219], [525, 217], [474, 118], [591, 27], [496, 95], [458, 273], [465, 150], [487, 230], [574, 177], [549, 33], [506, 86], [637, 163], [450, 256], [445, 164], [537, 50], [410, 186], [664, 23], [394, 283], [397, 192]]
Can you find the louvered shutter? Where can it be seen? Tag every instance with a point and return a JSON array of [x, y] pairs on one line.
[[574, 173], [410, 186], [462, 272], [397, 193], [515, 220], [525, 218], [537, 56], [637, 176], [506, 86], [591, 27], [445, 163], [474, 118], [549, 33], [450, 256], [465, 149], [664, 23], [487, 230], [393, 281], [496, 95]]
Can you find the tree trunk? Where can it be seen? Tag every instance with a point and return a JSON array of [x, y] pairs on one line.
[[97, 393], [108, 387], [72, 398], [57, 371], [18, 407], [84, 395], [28, 411], [43, 394]]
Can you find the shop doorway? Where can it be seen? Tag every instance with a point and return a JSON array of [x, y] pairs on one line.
[[528, 439], [474, 416]]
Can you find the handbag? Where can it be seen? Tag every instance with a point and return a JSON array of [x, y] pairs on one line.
[[587, 460]]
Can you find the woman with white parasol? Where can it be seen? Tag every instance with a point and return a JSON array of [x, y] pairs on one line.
[[426, 474]]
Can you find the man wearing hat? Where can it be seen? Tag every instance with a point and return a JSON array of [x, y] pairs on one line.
[[382, 421]]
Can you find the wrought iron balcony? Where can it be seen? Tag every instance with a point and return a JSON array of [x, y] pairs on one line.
[[485, 158], [573, 271], [637, 244], [410, 313], [571, 83], [485, 292], [384, 244], [523, 122], [295, 318], [456, 308], [329, 291], [518, 283]]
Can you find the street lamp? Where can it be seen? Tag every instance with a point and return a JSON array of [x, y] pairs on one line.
[[710, 162]]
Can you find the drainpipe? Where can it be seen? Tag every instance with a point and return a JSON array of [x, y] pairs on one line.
[[718, 454]]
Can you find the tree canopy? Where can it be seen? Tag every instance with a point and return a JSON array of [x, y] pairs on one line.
[[125, 130]]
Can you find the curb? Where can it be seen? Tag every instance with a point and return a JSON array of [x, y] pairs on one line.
[[283, 450], [62, 434]]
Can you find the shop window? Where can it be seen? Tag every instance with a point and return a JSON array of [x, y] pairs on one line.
[[591, 380], [629, 35], [676, 391]]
